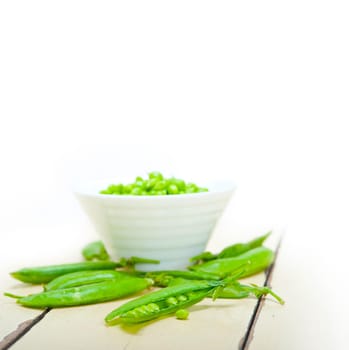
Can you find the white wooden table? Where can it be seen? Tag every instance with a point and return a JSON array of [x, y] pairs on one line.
[[225, 324]]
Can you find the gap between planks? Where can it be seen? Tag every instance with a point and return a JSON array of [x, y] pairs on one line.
[[21, 330], [247, 338]]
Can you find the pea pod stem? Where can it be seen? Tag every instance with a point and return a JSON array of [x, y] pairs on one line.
[[259, 291], [11, 295], [236, 290]]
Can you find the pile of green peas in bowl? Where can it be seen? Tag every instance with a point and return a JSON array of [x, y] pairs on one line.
[[155, 185]]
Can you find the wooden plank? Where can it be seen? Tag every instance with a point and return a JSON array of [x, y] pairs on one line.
[[12, 318], [306, 321], [223, 322], [23, 328], [245, 342]]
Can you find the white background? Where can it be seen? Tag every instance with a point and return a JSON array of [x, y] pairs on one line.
[[256, 91]]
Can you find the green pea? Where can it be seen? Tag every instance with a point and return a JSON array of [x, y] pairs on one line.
[[172, 189], [182, 298], [127, 189], [180, 184], [182, 314], [190, 190], [190, 295], [150, 184], [160, 185], [136, 191], [190, 184], [104, 192], [152, 307], [156, 184], [143, 310], [113, 188], [171, 301], [140, 184], [155, 175], [202, 189]]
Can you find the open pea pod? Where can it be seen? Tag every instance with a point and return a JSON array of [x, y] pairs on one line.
[[162, 302], [162, 278], [180, 295]]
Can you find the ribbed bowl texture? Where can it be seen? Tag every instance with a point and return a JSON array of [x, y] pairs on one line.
[[169, 228]]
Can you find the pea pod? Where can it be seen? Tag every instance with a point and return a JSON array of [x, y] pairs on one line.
[[232, 250], [162, 302], [88, 294], [44, 274], [240, 248], [254, 261], [95, 251], [80, 278]]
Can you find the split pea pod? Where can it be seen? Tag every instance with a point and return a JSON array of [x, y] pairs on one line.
[[162, 302], [45, 274], [80, 278], [163, 277], [253, 261], [88, 294], [232, 250]]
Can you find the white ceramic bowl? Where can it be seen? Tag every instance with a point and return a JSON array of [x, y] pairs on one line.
[[170, 228]]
